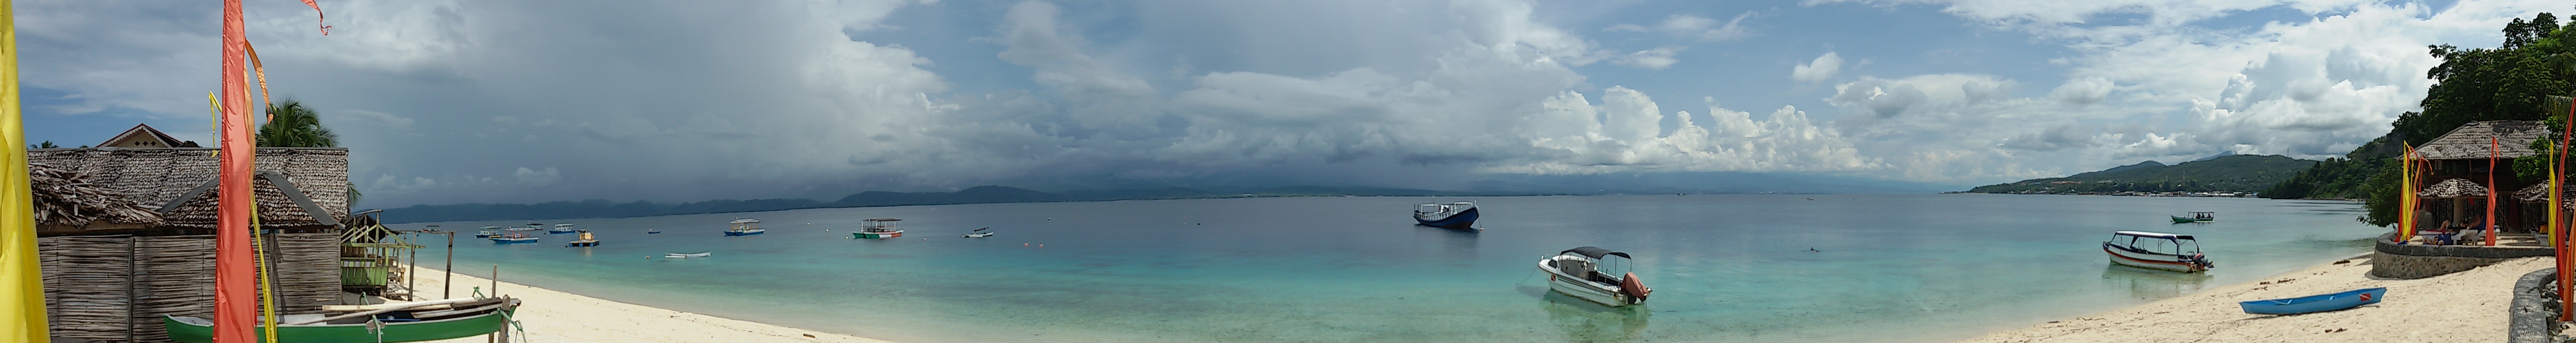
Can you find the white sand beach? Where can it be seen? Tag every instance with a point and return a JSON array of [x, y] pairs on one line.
[[550, 316], [2468, 306]]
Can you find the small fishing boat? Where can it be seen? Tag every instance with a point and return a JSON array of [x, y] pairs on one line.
[[488, 232], [688, 255], [2155, 250], [653, 231], [414, 322], [562, 228], [2196, 217], [1576, 272], [880, 228], [745, 227], [433, 229], [2317, 303], [530, 227], [585, 241], [1456, 215], [978, 233], [514, 238]]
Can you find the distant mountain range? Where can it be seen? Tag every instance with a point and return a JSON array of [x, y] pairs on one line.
[[1639, 183], [2233, 173]]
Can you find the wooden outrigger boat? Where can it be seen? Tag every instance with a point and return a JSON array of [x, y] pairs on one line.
[[1576, 272], [688, 255], [880, 228], [2316, 303], [745, 227], [2155, 250], [2196, 217], [514, 238], [407, 322]]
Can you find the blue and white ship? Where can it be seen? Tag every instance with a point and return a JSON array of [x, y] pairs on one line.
[[1456, 215]]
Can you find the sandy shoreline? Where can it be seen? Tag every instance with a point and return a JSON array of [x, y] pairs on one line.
[[552, 316], [2467, 306]]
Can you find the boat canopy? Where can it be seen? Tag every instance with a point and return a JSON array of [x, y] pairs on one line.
[[1594, 253], [2152, 235], [745, 221], [884, 220]]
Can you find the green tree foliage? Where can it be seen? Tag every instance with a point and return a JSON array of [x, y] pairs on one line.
[[2509, 82], [45, 145], [291, 124]]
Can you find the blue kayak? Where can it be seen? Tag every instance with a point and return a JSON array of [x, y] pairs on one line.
[[2317, 303]]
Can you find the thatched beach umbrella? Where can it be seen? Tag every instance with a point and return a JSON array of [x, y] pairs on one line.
[[2458, 190], [66, 198]]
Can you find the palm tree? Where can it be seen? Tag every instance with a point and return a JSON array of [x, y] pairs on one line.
[[45, 145], [292, 125]]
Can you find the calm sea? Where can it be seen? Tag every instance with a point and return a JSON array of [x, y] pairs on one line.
[[1729, 268]]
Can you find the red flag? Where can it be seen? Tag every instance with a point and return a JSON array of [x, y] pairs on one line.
[[2492, 146], [236, 303]]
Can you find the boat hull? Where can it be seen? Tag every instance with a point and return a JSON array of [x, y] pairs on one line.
[[745, 233], [2316, 303], [877, 235], [513, 240], [2180, 220], [2150, 261], [1462, 219], [582, 244], [189, 332]]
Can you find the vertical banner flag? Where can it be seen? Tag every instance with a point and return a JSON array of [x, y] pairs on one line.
[[22, 286]]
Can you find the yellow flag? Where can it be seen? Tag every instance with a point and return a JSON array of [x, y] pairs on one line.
[[22, 287]]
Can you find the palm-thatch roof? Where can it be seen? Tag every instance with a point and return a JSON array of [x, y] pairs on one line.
[[295, 186], [2479, 140], [68, 198], [2454, 188]]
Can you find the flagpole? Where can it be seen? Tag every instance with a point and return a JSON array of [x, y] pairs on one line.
[[22, 284]]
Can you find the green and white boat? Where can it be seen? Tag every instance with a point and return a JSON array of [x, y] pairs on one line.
[[464, 319]]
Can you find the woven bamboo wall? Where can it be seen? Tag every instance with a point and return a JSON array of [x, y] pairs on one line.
[[115, 288]]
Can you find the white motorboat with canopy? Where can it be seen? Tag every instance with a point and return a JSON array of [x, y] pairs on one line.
[[2156, 250], [1576, 272]]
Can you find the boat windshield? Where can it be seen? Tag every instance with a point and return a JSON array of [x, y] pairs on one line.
[[2169, 245]]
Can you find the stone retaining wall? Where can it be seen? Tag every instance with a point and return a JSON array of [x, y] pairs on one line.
[[2416, 261], [2534, 304]]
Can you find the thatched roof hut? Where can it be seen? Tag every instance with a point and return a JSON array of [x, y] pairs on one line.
[[299, 189], [66, 198], [2454, 188], [2479, 140]]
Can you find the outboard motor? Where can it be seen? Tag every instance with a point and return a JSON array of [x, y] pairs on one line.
[[1635, 289]]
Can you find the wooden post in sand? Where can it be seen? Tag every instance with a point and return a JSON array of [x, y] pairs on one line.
[[445, 291]]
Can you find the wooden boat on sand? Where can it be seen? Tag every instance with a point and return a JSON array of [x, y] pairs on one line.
[[2317, 303], [407, 322]]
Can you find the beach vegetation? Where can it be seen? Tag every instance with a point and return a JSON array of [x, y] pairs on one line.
[[2513, 81], [45, 145], [291, 124]]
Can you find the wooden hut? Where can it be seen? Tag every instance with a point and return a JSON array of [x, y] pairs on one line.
[[126, 235], [2459, 171]]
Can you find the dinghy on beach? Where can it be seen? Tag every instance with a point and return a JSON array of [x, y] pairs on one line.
[[2317, 303], [1576, 272]]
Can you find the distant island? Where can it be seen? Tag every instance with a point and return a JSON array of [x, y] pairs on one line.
[[2231, 175], [977, 195]]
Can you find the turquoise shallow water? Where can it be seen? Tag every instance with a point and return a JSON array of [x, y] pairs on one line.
[[1726, 268]]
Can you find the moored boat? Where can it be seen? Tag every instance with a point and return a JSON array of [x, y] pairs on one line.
[[2316, 303], [2196, 217], [449, 319], [1456, 215], [653, 231], [1576, 272], [2156, 250], [880, 228], [978, 233], [585, 241], [688, 255], [530, 227], [745, 227], [514, 238], [562, 228], [488, 232]]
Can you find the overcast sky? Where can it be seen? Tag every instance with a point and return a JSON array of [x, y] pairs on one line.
[[446, 101]]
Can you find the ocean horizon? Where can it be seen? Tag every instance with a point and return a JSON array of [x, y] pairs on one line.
[[1725, 267]]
